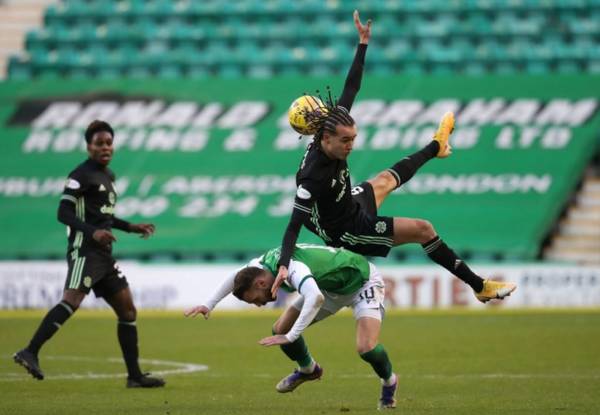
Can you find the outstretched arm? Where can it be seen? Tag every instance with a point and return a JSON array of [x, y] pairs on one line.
[[205, 308], [121, 224], [354, 78], [223, 291], [303, 281]]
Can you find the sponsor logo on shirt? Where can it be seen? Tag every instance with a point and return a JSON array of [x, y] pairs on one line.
[[72, 184], [107, 210], [302, 193]]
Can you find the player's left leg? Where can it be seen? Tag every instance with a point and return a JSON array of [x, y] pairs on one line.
[[122, 303], [368, 311], [372, 352], [407, 230], [389, 180]]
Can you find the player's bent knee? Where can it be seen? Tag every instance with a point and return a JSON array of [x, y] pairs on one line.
[[278, 328], [129, 314], [73, 298], [384, 182], [425, 230], [365, 346]]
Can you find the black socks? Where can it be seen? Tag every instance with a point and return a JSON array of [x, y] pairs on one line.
[[439, 252], [408, 166], [53, 320], [128, 339]]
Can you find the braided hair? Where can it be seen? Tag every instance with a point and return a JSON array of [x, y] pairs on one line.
[[327, 118]]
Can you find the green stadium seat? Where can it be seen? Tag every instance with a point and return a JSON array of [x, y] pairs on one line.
[[537, 67], [474, 68], [383, 70], [506, 68], [593, 67], [19, 68], [398, 51], [229, 71], [260, 71], [170, 71], [138, 72], [108, 72], [414, 68], [49, 74], [197, 72], [287, 37], [321, 70], [566, 67], [289, 70]]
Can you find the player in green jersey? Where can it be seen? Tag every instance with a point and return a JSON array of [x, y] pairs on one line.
[[326, 279]]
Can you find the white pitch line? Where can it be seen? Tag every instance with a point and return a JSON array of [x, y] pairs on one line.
[[180, 367], [183, 367], [572, 376]]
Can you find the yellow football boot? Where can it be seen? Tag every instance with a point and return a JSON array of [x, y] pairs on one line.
[[442, 135], [495, 290]]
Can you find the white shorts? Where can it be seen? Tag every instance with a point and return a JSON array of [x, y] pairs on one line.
[[366, 302]]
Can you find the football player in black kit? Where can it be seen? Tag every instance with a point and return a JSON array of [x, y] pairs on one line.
[[87, 208], [346, 216]]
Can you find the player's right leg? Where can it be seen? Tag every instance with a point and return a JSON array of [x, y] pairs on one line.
[[297, 351], [308, 368], [54, 319]]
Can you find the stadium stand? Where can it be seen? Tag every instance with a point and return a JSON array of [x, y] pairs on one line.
[[16, 17], [577, 236], [260, 39]]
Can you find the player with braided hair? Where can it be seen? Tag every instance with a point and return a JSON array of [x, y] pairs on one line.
[[346, 216]]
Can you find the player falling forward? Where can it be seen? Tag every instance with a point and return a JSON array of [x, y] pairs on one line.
[[327, 280], [346, 216], [87, 208]]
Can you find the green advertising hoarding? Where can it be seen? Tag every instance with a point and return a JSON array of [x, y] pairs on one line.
[[212, 163]]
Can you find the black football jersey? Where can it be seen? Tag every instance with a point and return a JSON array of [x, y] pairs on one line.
[[324, 191], [91, 188]]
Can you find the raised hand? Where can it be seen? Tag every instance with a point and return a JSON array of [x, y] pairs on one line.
[[364, 31]]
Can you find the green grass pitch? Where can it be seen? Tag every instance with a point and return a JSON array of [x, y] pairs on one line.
[[449, 362]]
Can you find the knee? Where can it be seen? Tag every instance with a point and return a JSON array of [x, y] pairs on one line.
[[128, 314], [365, 345], [73, 298], [384, 182], [74, 303], [425, 231], [278, 328]]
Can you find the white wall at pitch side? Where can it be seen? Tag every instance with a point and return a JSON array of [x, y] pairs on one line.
[[39, 284]]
